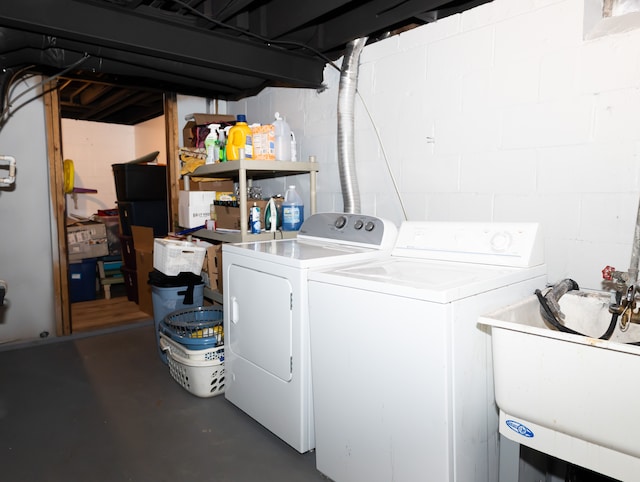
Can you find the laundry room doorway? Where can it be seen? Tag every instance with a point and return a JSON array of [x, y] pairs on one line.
[[92, 147]]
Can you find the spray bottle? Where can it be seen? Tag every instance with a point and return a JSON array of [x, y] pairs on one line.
[[212, 144]]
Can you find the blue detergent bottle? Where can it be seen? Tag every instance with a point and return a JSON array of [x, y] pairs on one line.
[[292, 210]]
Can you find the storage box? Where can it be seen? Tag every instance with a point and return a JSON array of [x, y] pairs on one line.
[[143, 242], [194, 207], [228, 217], [190, 135], [264, 142], [82, 280], [86, 239], [212, 266], [220, 185], [172, 257], [140, 182], [151, 214]]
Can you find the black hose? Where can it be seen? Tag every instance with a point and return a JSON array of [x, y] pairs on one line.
[[550, 317]]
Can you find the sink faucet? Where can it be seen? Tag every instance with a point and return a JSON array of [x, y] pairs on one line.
[[626, 305]]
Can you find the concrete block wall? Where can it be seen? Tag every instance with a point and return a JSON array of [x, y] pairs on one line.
[[507, 112]]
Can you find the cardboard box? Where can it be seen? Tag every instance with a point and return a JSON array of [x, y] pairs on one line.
[[220, 185], [228, 217], [143, 243], [264, 142], [194, 207], [212, 267], [86, 239], [190, 135]]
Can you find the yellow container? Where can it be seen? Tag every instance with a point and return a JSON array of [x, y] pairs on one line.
[[239, 139]]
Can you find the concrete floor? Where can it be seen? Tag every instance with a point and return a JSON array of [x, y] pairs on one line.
[[103, 407]]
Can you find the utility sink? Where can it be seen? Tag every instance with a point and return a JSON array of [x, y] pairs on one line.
[[573, 397]]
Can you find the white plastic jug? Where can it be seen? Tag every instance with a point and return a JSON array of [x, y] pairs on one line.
[[282, 133]]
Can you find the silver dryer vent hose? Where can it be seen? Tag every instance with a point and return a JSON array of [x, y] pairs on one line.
[[346, 121]]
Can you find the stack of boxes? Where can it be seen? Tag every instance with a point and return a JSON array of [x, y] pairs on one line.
[[141, 190], [194, 205]]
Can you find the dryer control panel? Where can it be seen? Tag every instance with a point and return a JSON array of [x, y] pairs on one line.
[[352, 229]]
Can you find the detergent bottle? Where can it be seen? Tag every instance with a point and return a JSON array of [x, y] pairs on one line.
[[282, 133], [292, 210], [239, 145], [212, 144]]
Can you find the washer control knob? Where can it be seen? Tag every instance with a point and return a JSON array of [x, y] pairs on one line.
[[341, 222], [501, 241], [369, 226], [358, 225]]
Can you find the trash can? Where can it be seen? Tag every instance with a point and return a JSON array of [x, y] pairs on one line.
[[172, 293]]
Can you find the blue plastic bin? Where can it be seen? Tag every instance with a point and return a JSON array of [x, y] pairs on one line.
[[169, 299], [82, 280]]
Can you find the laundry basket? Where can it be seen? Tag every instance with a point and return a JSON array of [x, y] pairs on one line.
[[200, 372], [195, 328], [193, 341]]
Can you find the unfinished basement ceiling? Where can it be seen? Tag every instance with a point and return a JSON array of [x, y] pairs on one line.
[[124, 54]]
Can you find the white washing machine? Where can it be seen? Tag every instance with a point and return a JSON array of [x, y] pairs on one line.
[[266, 320], [402, 373]]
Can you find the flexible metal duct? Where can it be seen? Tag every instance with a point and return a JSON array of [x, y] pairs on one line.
[[635, 253], [346, 122]]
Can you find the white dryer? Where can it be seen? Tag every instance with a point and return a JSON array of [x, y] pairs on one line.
[[266, 320], [402, 373]]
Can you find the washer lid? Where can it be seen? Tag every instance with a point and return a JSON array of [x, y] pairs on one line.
[[303, 253], [435, 281]]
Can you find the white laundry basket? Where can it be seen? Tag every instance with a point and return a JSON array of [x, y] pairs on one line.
[[200, 372]]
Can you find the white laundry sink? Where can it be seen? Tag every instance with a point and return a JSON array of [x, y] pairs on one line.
[[570, 396]]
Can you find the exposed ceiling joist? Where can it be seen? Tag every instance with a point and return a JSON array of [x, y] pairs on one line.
[[210, 48]]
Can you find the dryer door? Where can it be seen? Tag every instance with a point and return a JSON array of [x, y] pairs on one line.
[[260, 320]]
